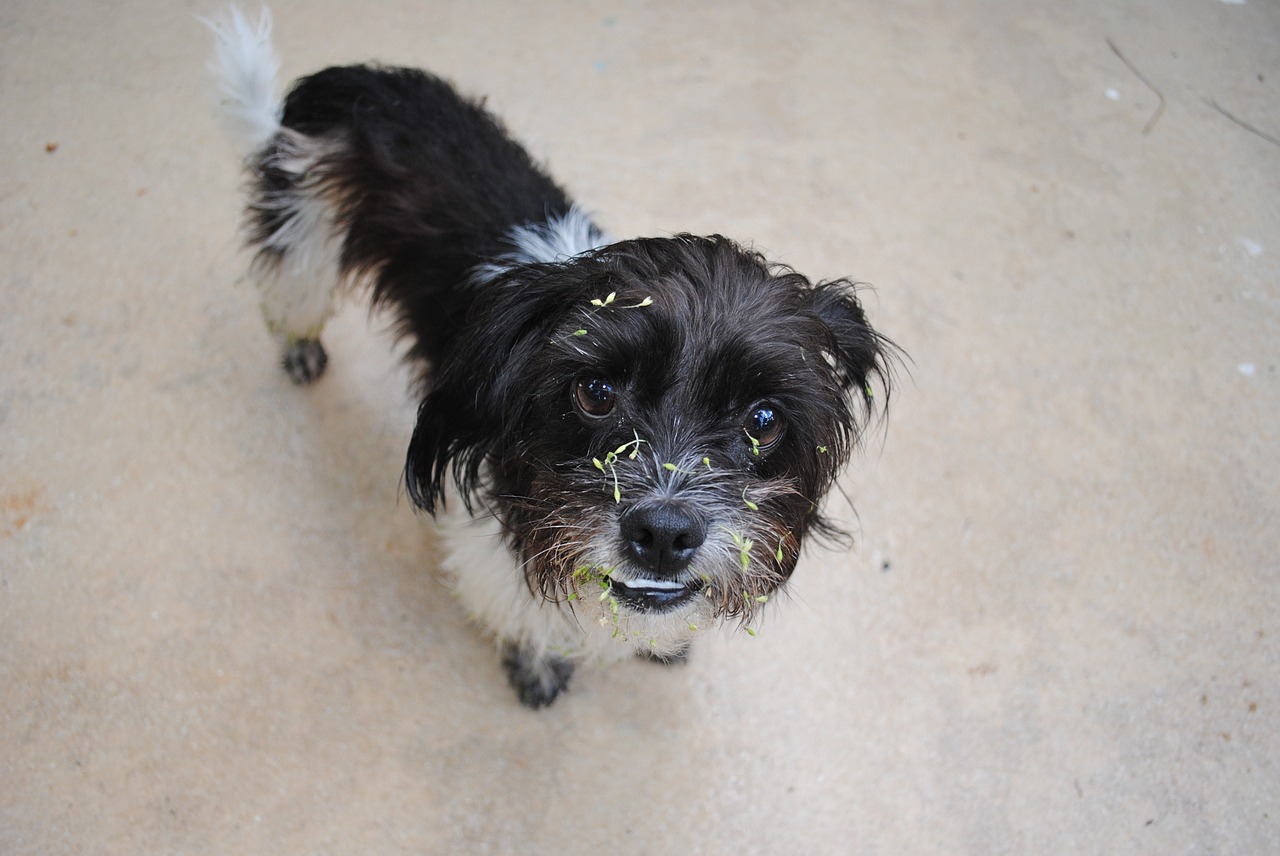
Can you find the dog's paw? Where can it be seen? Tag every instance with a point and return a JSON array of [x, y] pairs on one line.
[[304, 360], [536, 679]]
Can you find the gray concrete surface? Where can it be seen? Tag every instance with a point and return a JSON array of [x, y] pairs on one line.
[[220, 631]]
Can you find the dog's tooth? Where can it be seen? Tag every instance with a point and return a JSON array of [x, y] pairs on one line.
[[653, 584]]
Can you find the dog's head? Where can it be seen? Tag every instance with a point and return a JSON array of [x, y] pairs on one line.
[[656, 421]]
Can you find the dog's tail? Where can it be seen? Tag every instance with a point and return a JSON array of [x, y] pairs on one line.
[[245, 67]]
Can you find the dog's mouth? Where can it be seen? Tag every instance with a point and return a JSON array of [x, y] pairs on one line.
[[648, 595]]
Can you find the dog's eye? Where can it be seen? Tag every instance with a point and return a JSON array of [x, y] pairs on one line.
[[595, 396], [764, 426]]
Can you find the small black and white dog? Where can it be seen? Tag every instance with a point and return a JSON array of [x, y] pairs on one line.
[[625, 443]]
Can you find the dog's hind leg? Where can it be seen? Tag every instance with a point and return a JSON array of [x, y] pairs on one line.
[[296, 267], [289, 219]]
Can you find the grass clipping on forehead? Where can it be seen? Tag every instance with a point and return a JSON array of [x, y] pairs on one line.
[[609, 302], [613, 296]]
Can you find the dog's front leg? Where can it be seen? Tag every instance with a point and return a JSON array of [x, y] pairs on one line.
[[537, 677]]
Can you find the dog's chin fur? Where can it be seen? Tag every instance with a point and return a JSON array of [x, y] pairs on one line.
[[492, 589], [625, 443]]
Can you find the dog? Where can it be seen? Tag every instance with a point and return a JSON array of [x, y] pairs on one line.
[[625, 442]]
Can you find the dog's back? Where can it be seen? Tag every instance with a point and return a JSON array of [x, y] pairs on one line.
[[379, 175]]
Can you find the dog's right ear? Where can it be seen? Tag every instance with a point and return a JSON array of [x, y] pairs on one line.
[[437, 443], [479, 398]]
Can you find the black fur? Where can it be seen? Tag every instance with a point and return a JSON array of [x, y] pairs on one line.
[[426, 185]]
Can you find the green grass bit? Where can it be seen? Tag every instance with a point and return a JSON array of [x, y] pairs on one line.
[[633, 445]]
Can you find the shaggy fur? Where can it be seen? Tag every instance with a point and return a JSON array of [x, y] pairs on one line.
[[625, 442]]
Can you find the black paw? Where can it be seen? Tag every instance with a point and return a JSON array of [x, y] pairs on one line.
[[304, 360], [537, 680]]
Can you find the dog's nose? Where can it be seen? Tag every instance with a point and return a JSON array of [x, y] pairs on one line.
[[662, 536]]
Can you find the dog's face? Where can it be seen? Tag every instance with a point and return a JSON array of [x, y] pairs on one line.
[[655, 423]]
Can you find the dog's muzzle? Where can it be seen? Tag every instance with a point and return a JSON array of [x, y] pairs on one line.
[[660, 538]]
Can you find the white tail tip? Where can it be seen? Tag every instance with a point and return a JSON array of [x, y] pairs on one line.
[[245, 67]]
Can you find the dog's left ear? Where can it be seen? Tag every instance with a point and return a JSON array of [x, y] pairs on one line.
[[859, 352]]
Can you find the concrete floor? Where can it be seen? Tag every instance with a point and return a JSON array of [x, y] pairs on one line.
[[220, 630]]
